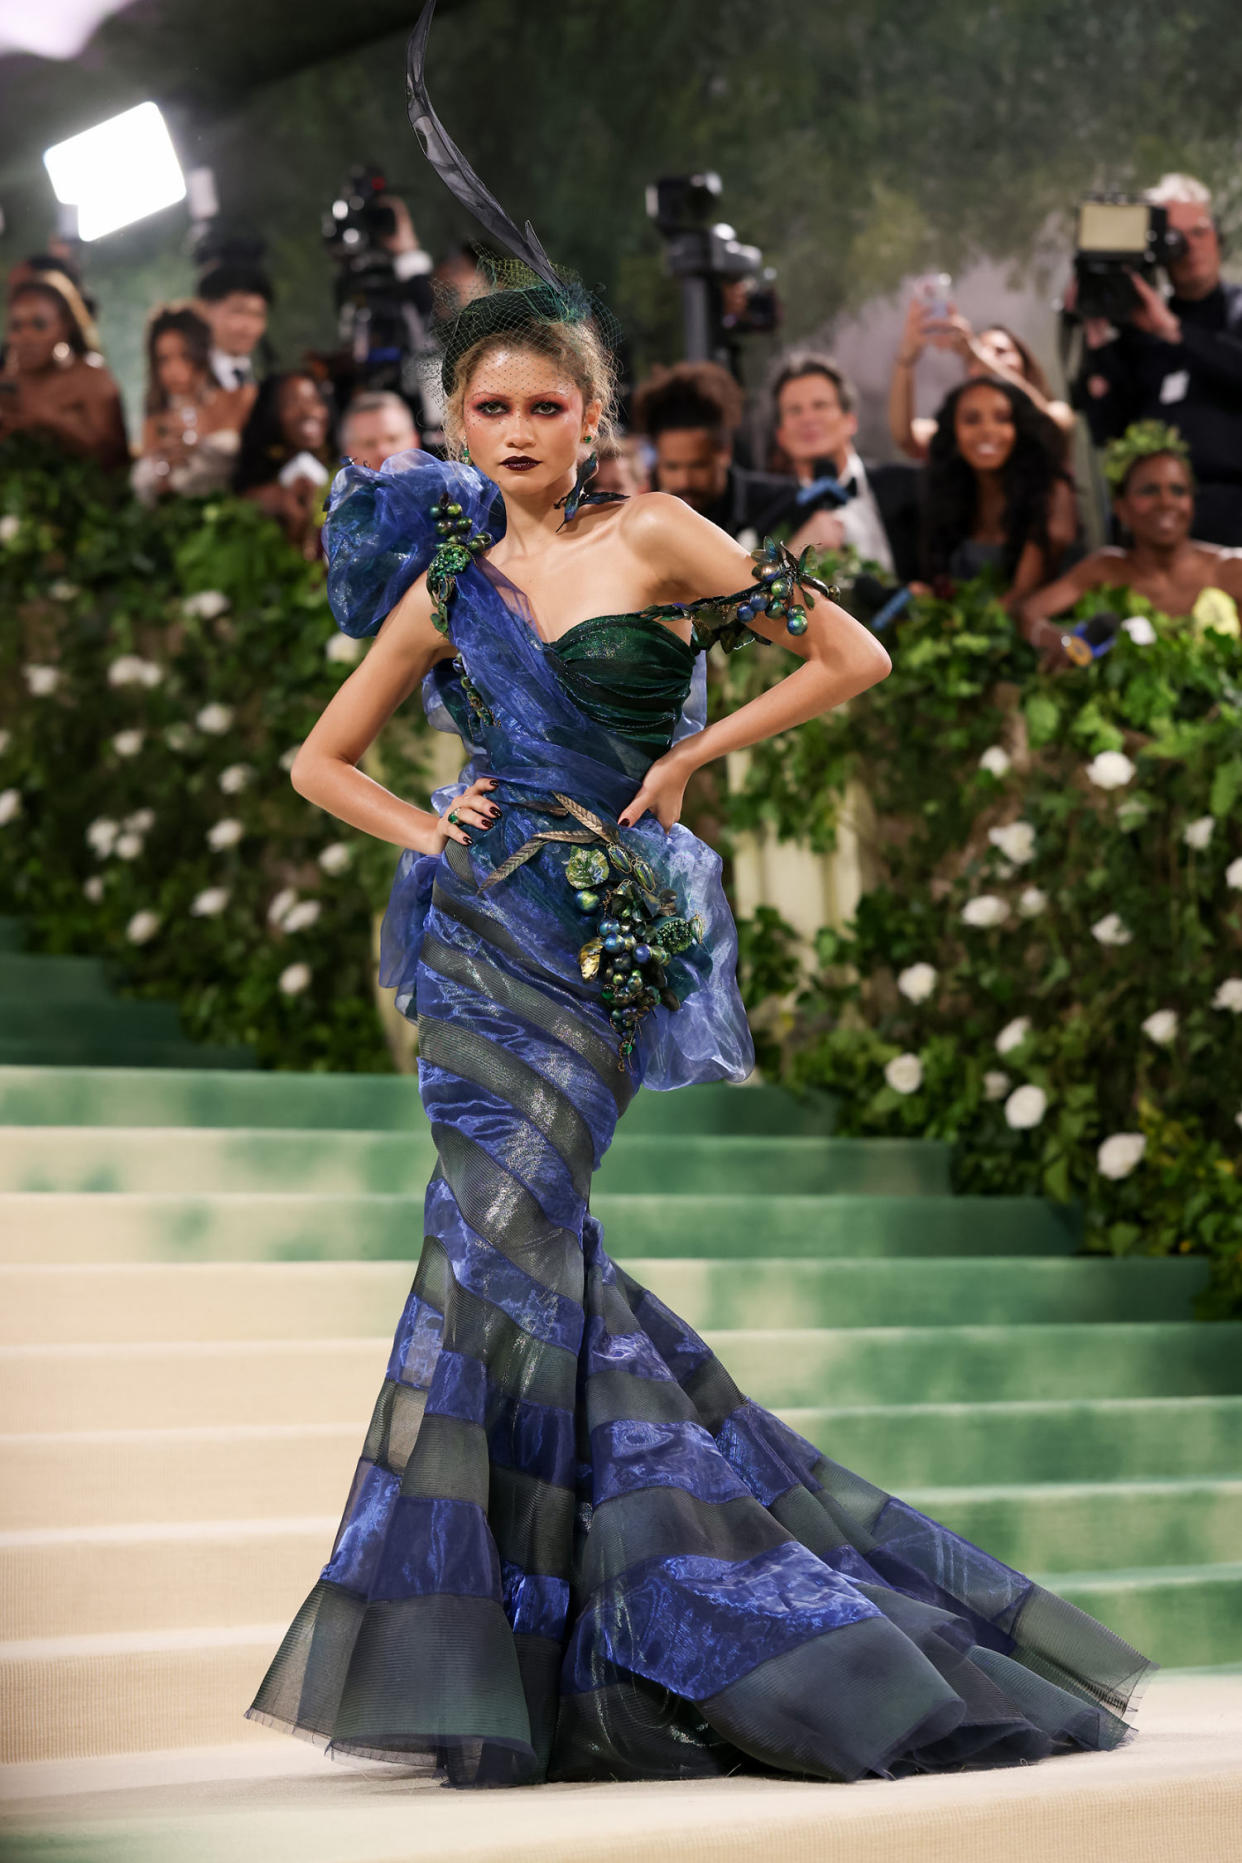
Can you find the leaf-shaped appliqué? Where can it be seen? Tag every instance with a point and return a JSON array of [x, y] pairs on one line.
[[587, 866], [589, 958]]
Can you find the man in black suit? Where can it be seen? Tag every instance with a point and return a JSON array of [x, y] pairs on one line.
[[874, 508], [690, 413]]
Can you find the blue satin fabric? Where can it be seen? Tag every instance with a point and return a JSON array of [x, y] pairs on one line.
[[572, 1548]]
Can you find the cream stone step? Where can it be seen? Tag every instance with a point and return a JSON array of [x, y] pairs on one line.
[[51, 1388], [130, 1691], [198, 1574], [95, 1478], [1173, 1794]]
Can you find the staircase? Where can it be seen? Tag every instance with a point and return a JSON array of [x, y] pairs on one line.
[[61, 1011], [200, 1271]]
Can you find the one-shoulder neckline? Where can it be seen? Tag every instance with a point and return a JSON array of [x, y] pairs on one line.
[[526, 613]]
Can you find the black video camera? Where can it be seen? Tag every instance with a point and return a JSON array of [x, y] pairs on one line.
[[726, 288], [1118, 238], [359, 219]]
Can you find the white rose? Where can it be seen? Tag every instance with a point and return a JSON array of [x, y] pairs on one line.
[[142, 926], [1025, 1107], [301, 916], [1229, 995], [1110, 930], [140, 822], [1161, 1025], [40, 680], [995, 1084], [178, 737], [904, 1073], [10, 527], [101, 836], [1140, 630], [335, 858], [1237, 1120], [1233, 873], [226, 833], [94, 888], [1013, 1033], [984, 910], [343, 649], [10, 805], [128, 846], [294, 978], [210, 903], [995, 760], [5, 740], [281, 904], [916, 982], [64, 591], [1111, 769], [127, 743], [1031, 902], [125, 671], [132, 670], [235, 778], [1118, 1155], [215, 719], [206, 605], [1198, 833], [288, 757], [1016, 841]]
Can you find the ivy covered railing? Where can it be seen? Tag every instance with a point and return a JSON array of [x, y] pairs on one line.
[[1047, 966], [157, 671]]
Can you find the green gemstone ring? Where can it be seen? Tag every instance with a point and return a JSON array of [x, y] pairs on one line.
[[453, 818]]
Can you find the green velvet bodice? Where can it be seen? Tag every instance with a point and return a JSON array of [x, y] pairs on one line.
[[629, 673]]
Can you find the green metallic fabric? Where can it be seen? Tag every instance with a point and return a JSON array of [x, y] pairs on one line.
[[629, 673]]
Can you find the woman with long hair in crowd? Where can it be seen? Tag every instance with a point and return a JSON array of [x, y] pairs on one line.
[[995, 350], [572, 1548], [191, 433], [283, 464], [997, 499], [54, 381], [1153, 487]]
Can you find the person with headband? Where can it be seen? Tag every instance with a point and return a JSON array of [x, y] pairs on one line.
[[572, 1549], [53, 381], [1153, 487]]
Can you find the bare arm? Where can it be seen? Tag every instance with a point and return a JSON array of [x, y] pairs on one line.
[[901, 419], [840, 657], [325, 769]]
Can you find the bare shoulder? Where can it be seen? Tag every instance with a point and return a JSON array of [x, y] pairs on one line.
[[651, 517], [1221, 567], [1102, 566]]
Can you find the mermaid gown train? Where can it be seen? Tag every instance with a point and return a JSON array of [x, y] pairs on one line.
[[573, 1549]]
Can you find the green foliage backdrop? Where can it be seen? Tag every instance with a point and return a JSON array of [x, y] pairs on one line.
[[159, 668], [1047, 967]]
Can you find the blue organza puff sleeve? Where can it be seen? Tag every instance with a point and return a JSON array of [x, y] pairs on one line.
[[379, 534]]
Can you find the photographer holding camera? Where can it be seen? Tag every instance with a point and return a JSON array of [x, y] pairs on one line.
[[1177, 359]]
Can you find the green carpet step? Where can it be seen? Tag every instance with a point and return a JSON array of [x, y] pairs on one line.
[[36, 978], [72, 1303], [1090, 1524], [85, 1581], [1187, 1616], [119, 1096], [913, 1364], [11, 937], [244, 1158], [29, 1018], [73, 1387], [55, 1226], [903, 1446], [80, 1051]]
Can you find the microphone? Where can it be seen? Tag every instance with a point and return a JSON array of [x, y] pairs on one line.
[[877, 603], [1092, 637]]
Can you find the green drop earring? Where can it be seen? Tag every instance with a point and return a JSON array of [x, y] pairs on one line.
[[465, 456]]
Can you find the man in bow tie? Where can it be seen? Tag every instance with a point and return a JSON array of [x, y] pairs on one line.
[[234, 300], [873, 508]]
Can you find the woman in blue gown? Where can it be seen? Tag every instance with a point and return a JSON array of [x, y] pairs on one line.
[[573, 1549]]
